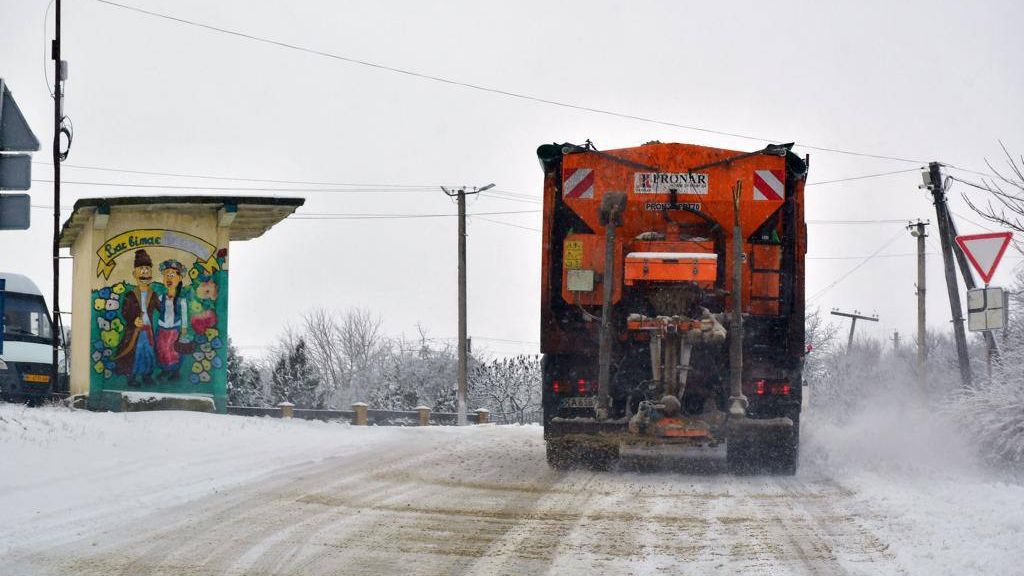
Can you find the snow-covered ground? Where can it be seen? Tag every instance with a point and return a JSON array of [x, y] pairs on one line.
[[186, 493]]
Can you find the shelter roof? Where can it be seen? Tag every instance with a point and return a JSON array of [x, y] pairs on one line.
[[254, 215]]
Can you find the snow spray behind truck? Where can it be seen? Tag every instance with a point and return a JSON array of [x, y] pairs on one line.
[[650, 254]]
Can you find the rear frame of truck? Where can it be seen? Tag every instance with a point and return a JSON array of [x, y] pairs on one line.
[[671, 297]]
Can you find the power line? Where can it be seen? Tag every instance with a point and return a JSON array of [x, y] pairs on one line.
[[235, 189], [508, 194], [903, 221], [493, 221], [481, 88], [862, 177], [379, 216], [900, 255], [845, 275], [239, 179]]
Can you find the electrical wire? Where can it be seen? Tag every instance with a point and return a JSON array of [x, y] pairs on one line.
[[46, 46], [503, 194], [385, 216], [240, 179], [846, 274], [859, 222], [231, 188], [493, 221], [900, 255], [880, 174], [481, 88]]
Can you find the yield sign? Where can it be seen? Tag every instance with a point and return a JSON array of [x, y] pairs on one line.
[[985, 251]]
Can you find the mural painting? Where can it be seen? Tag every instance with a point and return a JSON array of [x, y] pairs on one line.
[[159, 315]]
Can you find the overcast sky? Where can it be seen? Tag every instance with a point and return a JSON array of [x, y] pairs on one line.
[[913, 80]]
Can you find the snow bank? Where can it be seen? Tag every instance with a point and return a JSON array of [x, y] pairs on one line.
[[66, 470]]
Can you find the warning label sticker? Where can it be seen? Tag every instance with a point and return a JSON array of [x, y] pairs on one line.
[[665, 182], [572, 254]]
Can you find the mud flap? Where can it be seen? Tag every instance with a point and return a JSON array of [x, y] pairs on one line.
[[762, 446], [581, 451]]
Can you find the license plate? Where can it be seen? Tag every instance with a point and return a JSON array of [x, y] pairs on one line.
[[580, 402], [40, 378]]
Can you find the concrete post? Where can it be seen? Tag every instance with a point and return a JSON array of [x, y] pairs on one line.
[[287, 409], [483, 416], [361, 417], [424, 413]]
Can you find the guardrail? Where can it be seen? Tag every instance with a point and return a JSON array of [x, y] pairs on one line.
[[362, 415]]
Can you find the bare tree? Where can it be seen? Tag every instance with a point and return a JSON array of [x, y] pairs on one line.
[[321, 330], [509, 388], [1005, 207]]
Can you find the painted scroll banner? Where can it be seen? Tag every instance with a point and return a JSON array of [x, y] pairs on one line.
[[204, 252]]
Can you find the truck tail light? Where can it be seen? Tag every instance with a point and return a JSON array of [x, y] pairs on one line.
[[764, 387], [583, 386], [557, 386]]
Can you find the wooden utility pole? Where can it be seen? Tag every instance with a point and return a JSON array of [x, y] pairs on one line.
[[917, 230], [460, 194], [933, 180], [854, 316]]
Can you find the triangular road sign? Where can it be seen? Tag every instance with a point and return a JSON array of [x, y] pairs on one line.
[[985, 251], [15, 135]]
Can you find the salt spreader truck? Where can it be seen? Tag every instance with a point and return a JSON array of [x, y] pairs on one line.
[[672, 308]]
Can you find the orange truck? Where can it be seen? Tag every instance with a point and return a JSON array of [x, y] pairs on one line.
[[672, 308]]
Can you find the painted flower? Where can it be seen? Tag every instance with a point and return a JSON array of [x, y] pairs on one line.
[[99, 304], [113, 304], [105, 292]]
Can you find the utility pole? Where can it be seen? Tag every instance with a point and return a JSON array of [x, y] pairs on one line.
[[463, 343], [933, 181], [854, 316], [917, 230], [896, 341], [59, 71]]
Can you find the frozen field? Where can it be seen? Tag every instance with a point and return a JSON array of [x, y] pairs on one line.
[[185, 493]]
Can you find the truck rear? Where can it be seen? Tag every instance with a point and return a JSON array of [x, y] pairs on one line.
[[672, 311]]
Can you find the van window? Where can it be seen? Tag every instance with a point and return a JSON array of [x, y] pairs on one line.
[[26, 318]]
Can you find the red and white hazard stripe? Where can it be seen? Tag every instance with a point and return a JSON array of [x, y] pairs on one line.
[[579, 183], [768, 184]]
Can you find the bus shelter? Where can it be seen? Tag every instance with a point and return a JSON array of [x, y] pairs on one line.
[[149, 296]]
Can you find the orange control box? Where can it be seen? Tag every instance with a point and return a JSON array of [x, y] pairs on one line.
[[701, 268]]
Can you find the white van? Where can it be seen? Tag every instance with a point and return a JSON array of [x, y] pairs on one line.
[[25, 364]]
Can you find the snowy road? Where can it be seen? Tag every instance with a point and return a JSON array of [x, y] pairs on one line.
[[311, 498]]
